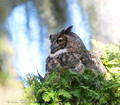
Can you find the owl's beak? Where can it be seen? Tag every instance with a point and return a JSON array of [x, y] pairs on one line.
[[52, 49]]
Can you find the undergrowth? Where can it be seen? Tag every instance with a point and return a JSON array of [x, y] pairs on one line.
[[65, 87]]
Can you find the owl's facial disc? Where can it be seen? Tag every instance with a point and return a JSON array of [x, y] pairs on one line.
[[60, 43]]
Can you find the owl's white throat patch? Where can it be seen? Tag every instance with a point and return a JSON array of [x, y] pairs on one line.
[[58, 52]]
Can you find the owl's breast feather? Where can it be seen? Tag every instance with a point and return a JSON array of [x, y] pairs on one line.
[[58, 52], [52, 61], [63, 58]]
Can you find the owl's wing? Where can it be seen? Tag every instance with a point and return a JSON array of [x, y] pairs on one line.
[[51, 64], [48, 66], [97, 62], [92, 61]]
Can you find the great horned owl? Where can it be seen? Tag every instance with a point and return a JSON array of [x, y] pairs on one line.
[[69, 51]]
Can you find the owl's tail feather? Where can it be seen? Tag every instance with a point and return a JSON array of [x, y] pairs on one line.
[[40, 77]]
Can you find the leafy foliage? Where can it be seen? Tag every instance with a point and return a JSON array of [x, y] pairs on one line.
[[110, 57], [65, 87]]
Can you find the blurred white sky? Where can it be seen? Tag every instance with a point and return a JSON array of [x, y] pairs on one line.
[[109, 15], [105, 19]]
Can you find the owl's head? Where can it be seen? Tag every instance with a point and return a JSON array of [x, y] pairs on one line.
[[64, 39]]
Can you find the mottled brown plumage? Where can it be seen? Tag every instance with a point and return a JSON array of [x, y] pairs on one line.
[[69, 51]]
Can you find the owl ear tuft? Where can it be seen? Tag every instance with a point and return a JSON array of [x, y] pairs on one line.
[[67, 30], [63, 31]]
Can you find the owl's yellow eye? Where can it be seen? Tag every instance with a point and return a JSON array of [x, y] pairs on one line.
[[59, 40]]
